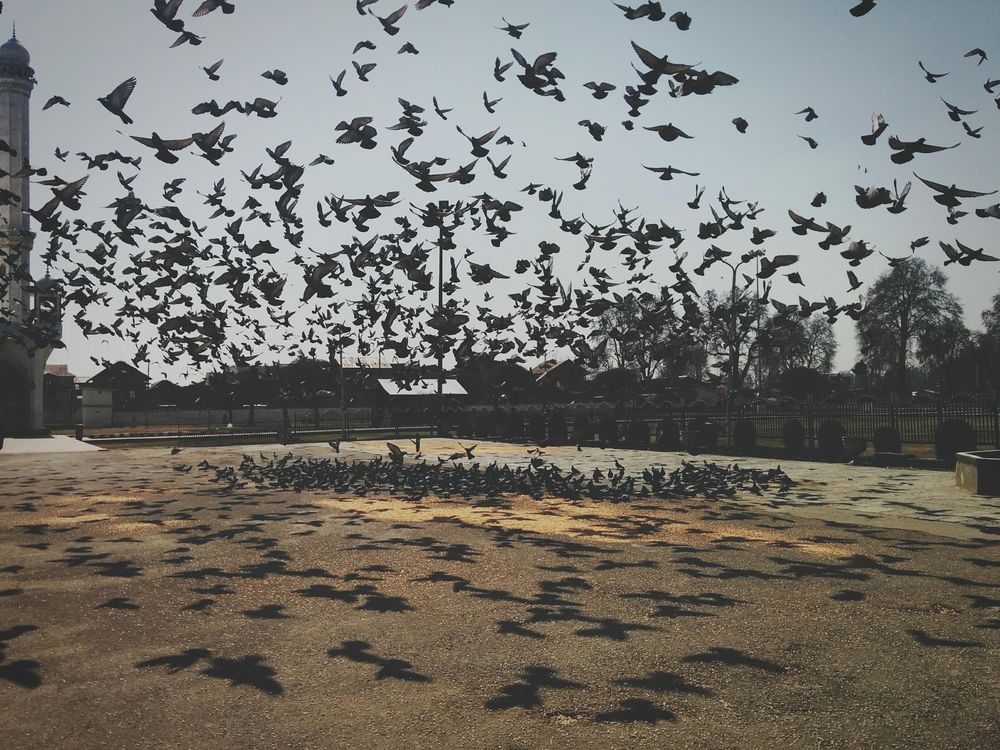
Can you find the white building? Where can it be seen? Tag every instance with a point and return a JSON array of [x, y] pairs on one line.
[[30, 311]]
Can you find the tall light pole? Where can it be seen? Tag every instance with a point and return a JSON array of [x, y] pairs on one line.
[[343, 401], [733, 344], [442, 205], [757, 303], [436, 216]]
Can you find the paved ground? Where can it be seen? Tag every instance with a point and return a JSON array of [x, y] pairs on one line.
[[143, 606], [51, 444]]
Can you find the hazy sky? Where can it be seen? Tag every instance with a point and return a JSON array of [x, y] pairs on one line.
[[787, 55]]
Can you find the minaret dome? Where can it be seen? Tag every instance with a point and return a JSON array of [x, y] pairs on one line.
[[13, 53]]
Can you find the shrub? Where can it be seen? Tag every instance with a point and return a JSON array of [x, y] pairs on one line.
[[886, 440], [485, 425], [515, 424], [953, 436], [463, 424], [702, 434], [557, 430], [638, 433], [744, 435], [830, 437], [607, 430], [583, 429], [793, 435], [445, 424], [502, 422], [536, 427], [668, 435]]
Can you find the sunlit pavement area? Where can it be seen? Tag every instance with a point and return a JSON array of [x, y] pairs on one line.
[[48, 444], [144, 605]]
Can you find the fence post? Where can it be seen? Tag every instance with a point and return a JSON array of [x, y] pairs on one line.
[[729, 426], [811, 407], [996, 425]]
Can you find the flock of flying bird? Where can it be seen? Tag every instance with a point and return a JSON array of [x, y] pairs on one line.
[[215, 294]]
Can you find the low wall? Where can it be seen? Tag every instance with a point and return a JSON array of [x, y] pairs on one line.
[[978, 472], [237, 417]]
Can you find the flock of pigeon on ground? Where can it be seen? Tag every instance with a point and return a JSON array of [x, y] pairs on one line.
[[215, 296], [452, 477]]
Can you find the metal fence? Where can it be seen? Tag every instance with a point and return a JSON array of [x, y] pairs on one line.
[[358, 424], [916, 423]]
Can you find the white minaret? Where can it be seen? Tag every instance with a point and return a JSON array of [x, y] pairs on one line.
[[29, 313]]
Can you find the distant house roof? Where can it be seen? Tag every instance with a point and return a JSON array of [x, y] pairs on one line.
[[550, 367], [61, 371], [543, 367], [372, 363], [387, 364], [117, 369], [163, 384], [450, 387]]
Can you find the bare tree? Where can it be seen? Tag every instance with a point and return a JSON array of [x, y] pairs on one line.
[[988, 348], [788, 343], [729, 326], [991, 318], [642, 333], [905, 305]]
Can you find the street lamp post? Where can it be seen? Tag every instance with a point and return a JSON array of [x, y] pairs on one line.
[[343, 401], [436, 216], [733, 318], [440, 358]]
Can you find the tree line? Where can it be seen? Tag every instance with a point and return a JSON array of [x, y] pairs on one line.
[[911, 336]]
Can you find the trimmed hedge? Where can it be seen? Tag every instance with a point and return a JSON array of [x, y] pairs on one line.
[[702, 434], [557, 430], [953, 436], [486, 425], [793, 435], [744, 435], [668, 435], [607, 430], [583, 429], [515, 425], [637, 433], [463, 424], [830, 438], [886, 440], [536, 427]]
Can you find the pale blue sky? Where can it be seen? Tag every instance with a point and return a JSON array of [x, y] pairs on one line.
[[787, 55]]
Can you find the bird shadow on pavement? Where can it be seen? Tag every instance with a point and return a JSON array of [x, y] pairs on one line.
[[250, 670], [23, 672], [360, 652]]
